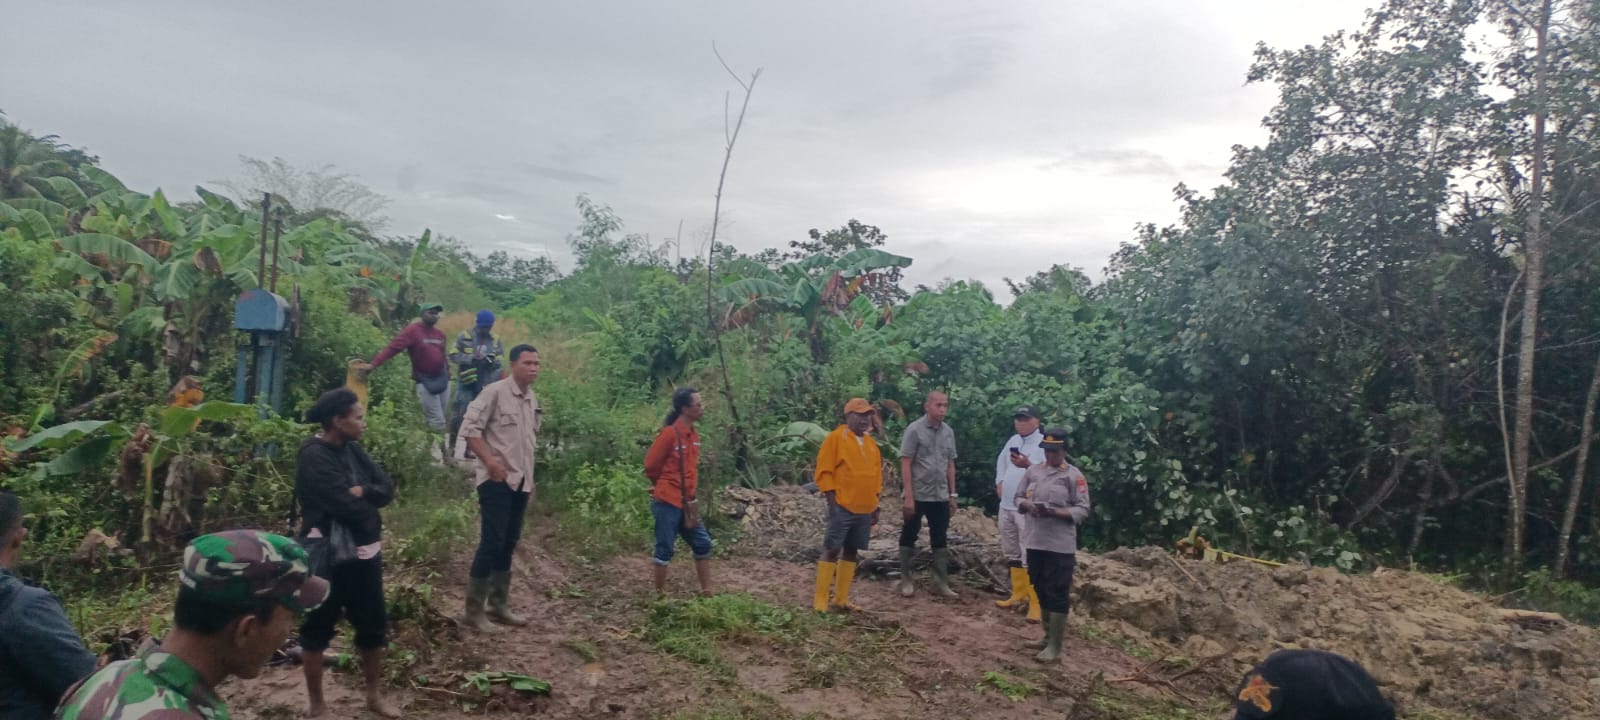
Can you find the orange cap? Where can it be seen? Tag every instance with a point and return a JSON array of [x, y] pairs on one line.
[[857, 405]]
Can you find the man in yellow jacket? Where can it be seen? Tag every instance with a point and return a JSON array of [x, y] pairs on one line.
[[850, 477]]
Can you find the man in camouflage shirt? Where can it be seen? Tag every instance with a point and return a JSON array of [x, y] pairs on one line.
[[240, 593]]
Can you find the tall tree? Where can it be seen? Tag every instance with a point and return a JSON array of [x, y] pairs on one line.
[[311, 194], [1523, 18]]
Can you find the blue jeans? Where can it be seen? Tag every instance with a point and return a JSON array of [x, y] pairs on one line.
[[669, 527]]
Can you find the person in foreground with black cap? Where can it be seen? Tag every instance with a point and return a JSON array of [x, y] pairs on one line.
[[424, 343], [239, 594], [1020, 452], [1055, 498], [1310, 685]]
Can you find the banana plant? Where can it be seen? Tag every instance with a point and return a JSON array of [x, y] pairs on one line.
[[814, 289], [86, 445], [377, 273]]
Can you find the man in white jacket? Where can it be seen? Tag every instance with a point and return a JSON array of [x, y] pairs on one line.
[[1020, 452]]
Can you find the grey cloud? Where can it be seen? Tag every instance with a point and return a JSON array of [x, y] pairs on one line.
[[488, 191], [565, 175], [462, 111], [1114, 161]]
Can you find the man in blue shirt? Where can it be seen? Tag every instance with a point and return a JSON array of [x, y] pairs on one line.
[[41, 654]]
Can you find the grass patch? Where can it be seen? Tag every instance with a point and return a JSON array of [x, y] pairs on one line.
[[1455, 580], [739, 705], [850, 650], [570, 591], [583, 649], [824, 651], [1115, 703], [431, 532], [102, 617], [691, 629], [1015, 689], [1094, 632], [431, 519]]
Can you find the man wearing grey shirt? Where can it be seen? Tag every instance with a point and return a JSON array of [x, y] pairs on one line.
[[928, 489]]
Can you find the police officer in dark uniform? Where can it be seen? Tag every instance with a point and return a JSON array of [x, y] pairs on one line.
[[1309, 685]]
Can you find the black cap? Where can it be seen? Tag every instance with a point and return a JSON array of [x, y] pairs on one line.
[[1054, 438], [1310, 685], [1027, 411]]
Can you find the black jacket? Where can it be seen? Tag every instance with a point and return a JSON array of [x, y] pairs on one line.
[[1310, 685], [41, 655], [323, 476]]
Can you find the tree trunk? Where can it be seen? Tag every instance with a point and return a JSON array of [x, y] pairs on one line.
[[1575, 492], [1384, 490], [1534, 260], [741, 445], [1419, 523]]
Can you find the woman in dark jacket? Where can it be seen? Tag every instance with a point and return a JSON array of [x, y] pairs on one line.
[[337, 482]]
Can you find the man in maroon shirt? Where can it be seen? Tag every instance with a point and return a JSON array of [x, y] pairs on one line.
[[425, 345]]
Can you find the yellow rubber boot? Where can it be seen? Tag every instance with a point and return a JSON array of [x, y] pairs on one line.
[[1033, 603], [1019, 589], [847, 575], [819, 602]]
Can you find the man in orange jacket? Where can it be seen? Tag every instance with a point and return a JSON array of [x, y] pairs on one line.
[[850, 477]]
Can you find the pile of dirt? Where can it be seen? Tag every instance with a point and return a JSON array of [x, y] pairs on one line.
[[1429, 644], [786, 523]]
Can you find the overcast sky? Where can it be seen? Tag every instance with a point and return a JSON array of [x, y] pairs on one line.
[[988, 140]]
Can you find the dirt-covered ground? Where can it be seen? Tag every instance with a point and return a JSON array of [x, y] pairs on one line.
[[1150, 637]]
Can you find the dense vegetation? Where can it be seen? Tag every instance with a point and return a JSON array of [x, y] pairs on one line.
[[1375, 342]]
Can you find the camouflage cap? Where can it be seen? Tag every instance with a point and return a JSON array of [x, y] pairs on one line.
[[244, 566]]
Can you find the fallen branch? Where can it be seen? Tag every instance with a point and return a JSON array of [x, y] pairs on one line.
[[452, 693], [1144, 673], [77, 410], [1531, 617], [1186, 572], [1204, 662]]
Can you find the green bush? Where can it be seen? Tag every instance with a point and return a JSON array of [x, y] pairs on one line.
[[430, 529], [607, 510], [1571, 599]]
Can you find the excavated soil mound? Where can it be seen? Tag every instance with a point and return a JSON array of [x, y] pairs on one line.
[[1430, 645]]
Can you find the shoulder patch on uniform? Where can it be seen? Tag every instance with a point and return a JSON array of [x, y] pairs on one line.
[[1258, 692]]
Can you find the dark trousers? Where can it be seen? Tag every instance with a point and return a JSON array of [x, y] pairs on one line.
[[938, 514], [464, 395], [1051, 575], [355, 591], [500, 511]]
